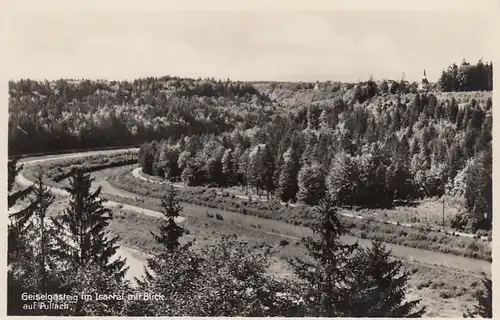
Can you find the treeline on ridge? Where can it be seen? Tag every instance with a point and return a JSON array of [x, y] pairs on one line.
[[467, 77], [79, 114]]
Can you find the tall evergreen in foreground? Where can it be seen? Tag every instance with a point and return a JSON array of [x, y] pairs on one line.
[[170, 232], [325, 286], [484, 306], [42, 232], [168, 238], [33, 265], [17, 219], [379, 285], [84, 238]]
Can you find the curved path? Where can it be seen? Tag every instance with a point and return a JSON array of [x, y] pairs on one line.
[[138, 174], [136, 260]]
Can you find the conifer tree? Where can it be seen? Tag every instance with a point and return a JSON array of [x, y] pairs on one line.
[[170, 232], [311, 183], [379, 285], [268, 167], [287, 184], [342, 180], [229, 167], [83, 228], [43, 233], [478, 192], [34, 268], [484, 302], [18, 219], [168, 239], [325, 286]]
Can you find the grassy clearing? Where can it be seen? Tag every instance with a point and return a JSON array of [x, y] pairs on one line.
[[59, 169], [427, 212], [419, 237], [445, 293]]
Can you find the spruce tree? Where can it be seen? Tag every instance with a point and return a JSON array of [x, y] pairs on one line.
[[484, 300], [18, 219], [379, 285], [479, 191], [168, 239], [311, 183], [267, 168], [170, 232], [229, 167], [287, 184], [325, 286], [34, 268], [83, 228], [43, 232]]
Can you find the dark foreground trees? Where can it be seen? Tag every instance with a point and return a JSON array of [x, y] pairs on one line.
[[484, 302], [379, 285], [84, 238], [225, 278], [69, 254], [344, 280]]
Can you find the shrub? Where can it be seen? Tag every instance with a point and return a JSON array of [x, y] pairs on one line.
[[445, 294], [218, 216], [284, 242]]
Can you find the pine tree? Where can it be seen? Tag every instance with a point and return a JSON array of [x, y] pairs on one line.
[[43, 232], [478, 192], [229, 167], [379, 285], [325, 286], [32, 264], [254, 168], [287, 185], [311, 183], [484, 306], [342, 180], [268, 167], [168, 239], [170, 232], [17, 220], [83, 228]]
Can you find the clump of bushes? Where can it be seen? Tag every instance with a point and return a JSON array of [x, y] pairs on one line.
[[284, 242]]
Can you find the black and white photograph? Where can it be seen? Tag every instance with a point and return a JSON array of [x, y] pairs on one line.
[[249, 158]]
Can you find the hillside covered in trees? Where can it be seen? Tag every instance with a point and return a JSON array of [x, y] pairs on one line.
[[368, 144]]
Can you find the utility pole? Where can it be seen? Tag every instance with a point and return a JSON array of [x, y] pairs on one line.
[[443, 212]]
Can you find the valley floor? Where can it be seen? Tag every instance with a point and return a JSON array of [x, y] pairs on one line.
[[444, 282]]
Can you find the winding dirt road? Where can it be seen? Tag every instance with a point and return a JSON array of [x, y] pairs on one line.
[[136, 259]]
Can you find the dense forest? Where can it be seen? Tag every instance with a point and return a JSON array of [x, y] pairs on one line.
[[467, 77], [49, 116], [298, 141], [370, 144]]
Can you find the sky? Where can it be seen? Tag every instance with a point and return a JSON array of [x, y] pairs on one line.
[[244, 40]]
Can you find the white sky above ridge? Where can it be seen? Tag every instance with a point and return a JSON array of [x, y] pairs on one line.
[[244, 40]]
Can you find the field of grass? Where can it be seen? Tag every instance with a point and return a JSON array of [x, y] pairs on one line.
[[417, 237], [444, 292]]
